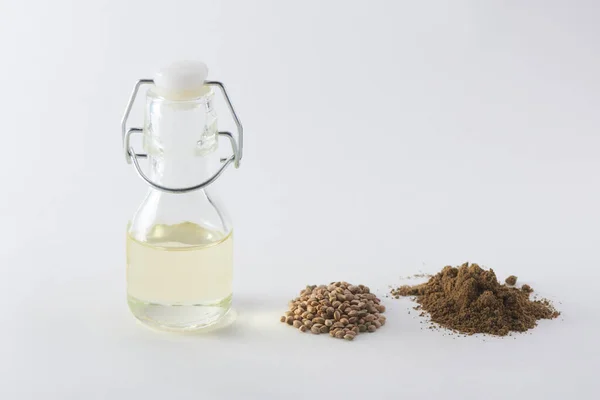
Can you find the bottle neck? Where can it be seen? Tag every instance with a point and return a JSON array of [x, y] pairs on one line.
[[181, 140], [179, 171]]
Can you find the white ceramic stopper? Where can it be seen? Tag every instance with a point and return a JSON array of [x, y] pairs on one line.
[[182, 80]]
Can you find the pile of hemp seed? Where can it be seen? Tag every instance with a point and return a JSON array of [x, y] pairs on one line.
[[340, 309]]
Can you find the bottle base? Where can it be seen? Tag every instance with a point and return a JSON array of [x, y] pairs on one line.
[[180, 318]]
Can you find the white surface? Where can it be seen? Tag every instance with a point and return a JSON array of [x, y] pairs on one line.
[[181, 79], [472, 133]]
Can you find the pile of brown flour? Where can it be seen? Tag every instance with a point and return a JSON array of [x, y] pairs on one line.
[[470, 300]]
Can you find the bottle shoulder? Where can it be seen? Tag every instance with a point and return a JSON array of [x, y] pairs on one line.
[[191, 218]]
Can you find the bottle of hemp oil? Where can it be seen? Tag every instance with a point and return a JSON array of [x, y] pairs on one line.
[[180, 240]]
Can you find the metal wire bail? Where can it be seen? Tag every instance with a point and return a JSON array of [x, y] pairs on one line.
[[131, 155]]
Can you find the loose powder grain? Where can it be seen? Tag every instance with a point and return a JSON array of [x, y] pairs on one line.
[[469, 299], [511, 280]]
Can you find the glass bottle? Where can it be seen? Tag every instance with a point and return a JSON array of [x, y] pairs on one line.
[[180, 240]]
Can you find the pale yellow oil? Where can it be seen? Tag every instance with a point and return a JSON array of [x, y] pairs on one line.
[[180, 276]]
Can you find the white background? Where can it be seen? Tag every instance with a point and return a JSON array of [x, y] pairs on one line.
[[382, 138]]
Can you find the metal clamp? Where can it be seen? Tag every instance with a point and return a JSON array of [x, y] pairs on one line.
[[131, 155]]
